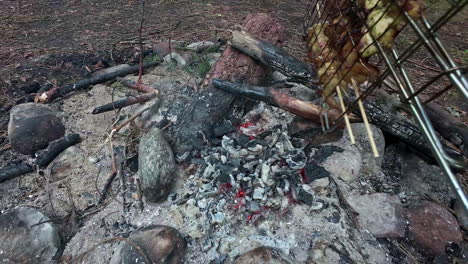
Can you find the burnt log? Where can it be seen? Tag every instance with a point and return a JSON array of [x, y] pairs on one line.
[[274, 57], [13, 171], [277, 98], [448, 126], [62, 91], [210, 106], [44, 157]]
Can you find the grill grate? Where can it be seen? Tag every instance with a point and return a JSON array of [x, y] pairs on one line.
[[371, 43]]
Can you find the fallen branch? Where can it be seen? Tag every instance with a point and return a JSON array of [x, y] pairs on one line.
[[274, 57], [43, 159], [55, 92]]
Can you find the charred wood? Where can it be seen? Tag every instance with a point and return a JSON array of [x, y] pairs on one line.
[[276, 98], [13, 171], [448, 126], [124, 103], [56, 147], [274, 57], [43, 159], [55, 92]]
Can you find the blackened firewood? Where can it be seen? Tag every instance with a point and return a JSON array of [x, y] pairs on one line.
[[274, 57], [13, 171], [83, 84], [276, 98], [124, 103], [448, 126], [44, 157]]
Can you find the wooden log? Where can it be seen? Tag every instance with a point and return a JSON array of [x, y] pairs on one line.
[[277, 98], [274, 57], [46, 156], [43, 159], [448, 126], [13, 171], [53, 93], [212, 105]]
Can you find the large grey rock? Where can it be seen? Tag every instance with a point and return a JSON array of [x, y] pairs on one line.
[[160, 244], [370, 164], [156, 166], [344, 165], [379, 213], [32, 126], [24, 240], [262, 255], [174, 56], [433, 227]]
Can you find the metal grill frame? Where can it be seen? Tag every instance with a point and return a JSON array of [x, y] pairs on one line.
[[394, 67]]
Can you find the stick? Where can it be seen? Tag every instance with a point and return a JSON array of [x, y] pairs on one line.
[[124, 103], [276, 98], [13, 171], [138, 86], [44, 157], [366, 121], [140, 41], [343, 107], [50, 95]]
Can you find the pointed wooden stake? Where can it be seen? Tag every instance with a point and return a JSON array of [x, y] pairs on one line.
[[366, 121]]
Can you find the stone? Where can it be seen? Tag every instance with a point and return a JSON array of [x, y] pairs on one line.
[[258, 193], [156, 166], [200, 46], [160, 244], [61, 166], [32, 126], [174, 56], [262, 255], [344, 165], [433, 227], [212, 58], [218, 218], [370, 164], [320, 183], [379, 213], [24, 239]]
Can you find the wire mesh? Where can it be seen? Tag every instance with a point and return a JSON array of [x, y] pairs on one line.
[[373, 43]]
